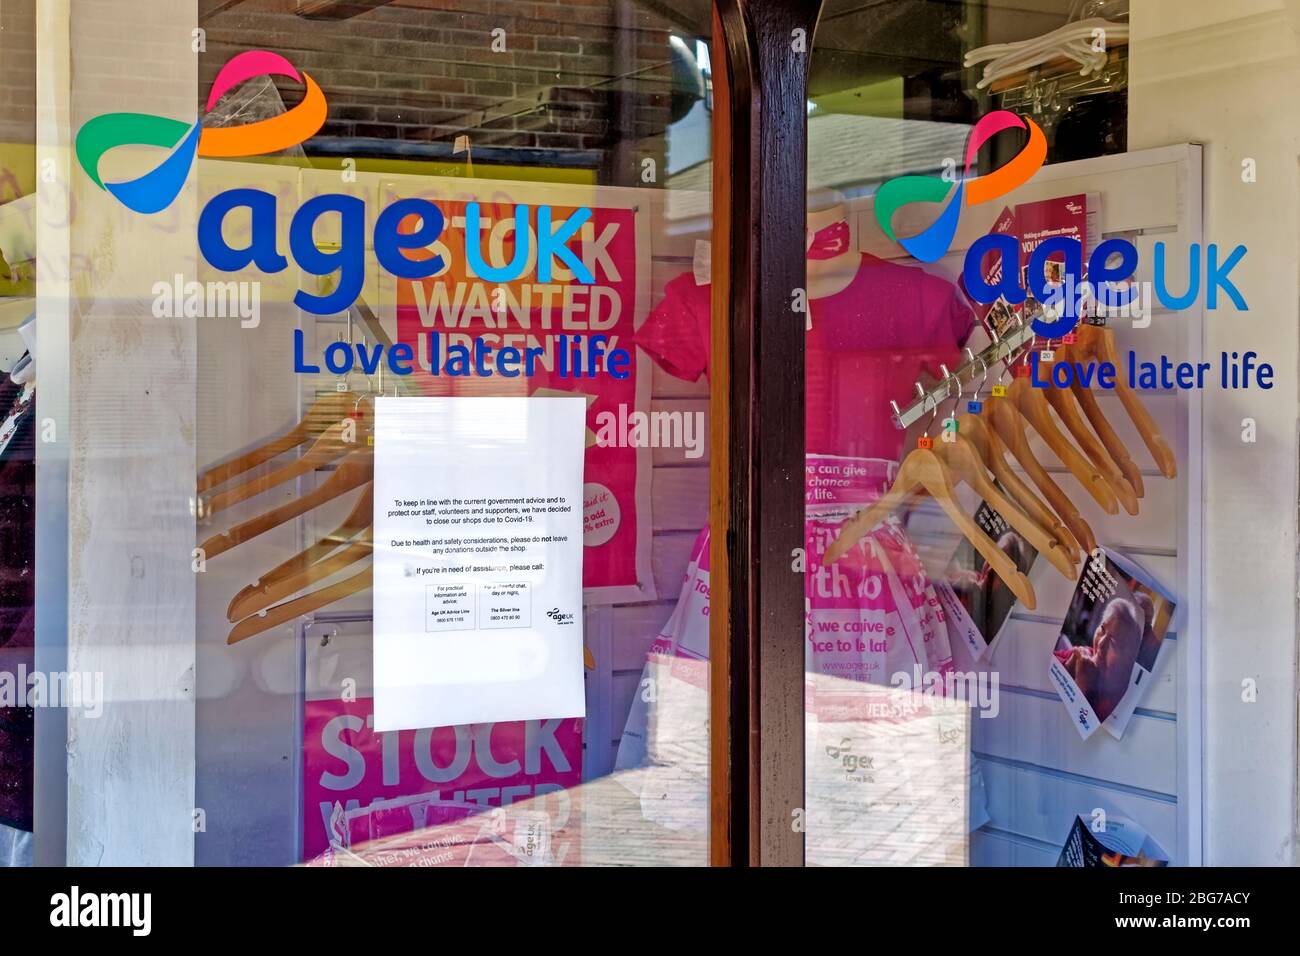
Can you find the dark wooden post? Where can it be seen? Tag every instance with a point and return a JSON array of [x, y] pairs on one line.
[[761, 55]]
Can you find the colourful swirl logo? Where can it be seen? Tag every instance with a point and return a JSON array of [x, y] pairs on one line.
[[155, 190], [931, 244]]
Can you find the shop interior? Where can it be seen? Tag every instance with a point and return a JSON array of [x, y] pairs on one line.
[[239, 509]]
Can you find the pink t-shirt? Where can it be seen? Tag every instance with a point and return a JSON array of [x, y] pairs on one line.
[[868, 344]]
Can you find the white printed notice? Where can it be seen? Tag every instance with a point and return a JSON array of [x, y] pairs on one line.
[[478, 560]]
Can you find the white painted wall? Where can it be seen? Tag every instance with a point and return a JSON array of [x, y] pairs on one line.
[[1226, 75], [129, 421]]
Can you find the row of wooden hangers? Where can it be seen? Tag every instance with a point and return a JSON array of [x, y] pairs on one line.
[[1089, 448], [337, 431]]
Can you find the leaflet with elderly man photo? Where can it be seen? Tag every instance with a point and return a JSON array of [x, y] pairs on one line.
[[1110, 640]]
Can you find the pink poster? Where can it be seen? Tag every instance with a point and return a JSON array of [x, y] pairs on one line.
[[457, 308], [348, 765]]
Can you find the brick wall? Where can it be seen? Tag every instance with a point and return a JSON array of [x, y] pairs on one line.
[[18, 71], [17, 96], [577, 75]]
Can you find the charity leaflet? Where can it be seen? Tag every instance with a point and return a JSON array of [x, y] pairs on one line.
[[999, 315], [976, 601], [478, 560], [1073, 217], [1110, 640], [1112, 841]]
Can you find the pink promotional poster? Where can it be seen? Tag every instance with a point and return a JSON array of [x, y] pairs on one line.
[[872, 615], [575, 326], [347, 766]]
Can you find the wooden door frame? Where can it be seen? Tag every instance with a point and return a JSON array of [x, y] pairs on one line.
[[760, 133]]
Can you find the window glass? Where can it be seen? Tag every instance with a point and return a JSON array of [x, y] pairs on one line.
[[1050, 451], [383, 431]]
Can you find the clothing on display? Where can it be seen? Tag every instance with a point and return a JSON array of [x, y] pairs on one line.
[[868, 344], [17, 621]]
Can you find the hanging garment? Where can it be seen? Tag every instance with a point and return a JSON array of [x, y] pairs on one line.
[[869, 343]]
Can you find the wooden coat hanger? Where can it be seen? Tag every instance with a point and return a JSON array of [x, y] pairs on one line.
[[963, 458], [990, 448], [352, 472], [1033, 406], [986, 443], [960, 455], [1063, 401], [267, 594], [1098, 344], [324, 412], [358, 520], [290, 610], [1112, 442], [309, 566], [1010, 427], [329, 446], [922, 469]]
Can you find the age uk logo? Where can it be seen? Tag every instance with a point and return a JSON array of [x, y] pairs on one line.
[[156, 189], [933, 243]]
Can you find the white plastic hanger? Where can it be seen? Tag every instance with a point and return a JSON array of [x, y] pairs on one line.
[[1072, 41]]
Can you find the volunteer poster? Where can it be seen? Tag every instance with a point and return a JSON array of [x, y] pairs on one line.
[[479, 511], [557, 316]]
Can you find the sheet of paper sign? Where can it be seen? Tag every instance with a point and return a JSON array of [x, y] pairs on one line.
[[477, 560]]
